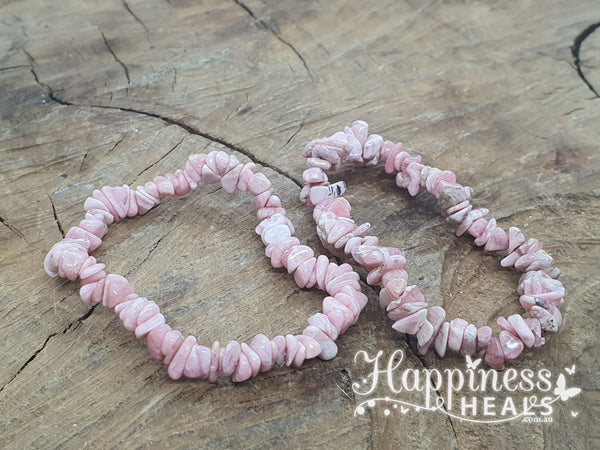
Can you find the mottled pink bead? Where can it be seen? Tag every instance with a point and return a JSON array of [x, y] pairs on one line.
[[147, 326], [66, 258], [154, 341], [312, 347], [177, 364], [328, 347], [261, 344], [455, 336], [253, 359], [469, 341], [494, 356], [323, 323], [304, 273], [484, 335], [170, 344], [116, 288], [411, 324], [229, 181], [243, 370], [197, 364], [231, 357], [440, 343], [522, 329], [436, 316], [246, 173], [80, 233], [511, 345], [297, 256]]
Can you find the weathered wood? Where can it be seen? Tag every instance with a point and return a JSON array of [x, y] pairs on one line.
[[96, 93]]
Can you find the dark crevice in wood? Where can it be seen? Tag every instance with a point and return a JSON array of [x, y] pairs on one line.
[[575, 49], [148, 255], [13, 67], [56, 219], [158, 160], [295, 132], [12, 228], [116, 58], [71, 326], [79, 321], [276, 34], [137, 19], [31, 358], [190, 129]]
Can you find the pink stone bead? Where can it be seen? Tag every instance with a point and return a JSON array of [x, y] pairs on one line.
[[392, 291], [536, 328], [312, 347], [328, 347], [146, 327], [436, 316], [197, 364], [323, 323], [511, 345], [231, 357], [337, 313], [304, 272], [484, 336], [314, 175], [279, 251], [411, 324], [80, 233], [229, 181], [258, 184], [246, 173], [424, 334], [66, 258], [469, 340], [405, 309], [505, 325], [455, 336], [471, 217], [494, 356], [320, 163], [338, 283], [261, 344], [300, 355], [253, 359], [440, 343], [177, 364], [243, 370], [116, 288], [297, 256], [170, 344], [522, 329], [154, 341]]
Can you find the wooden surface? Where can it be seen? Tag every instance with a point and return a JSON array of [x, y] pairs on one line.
[[105, 93]]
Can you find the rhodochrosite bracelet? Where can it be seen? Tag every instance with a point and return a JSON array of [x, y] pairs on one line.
[[70, 259], [540, 293]]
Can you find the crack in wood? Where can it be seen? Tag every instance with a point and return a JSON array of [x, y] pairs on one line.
[[276, 34], [56, 219], [77, 322], [158, 160], [189, 128], [13, 228], [116, 58], [137, 19], [575, 49]]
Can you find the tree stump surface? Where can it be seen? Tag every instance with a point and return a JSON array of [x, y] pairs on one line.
[[109, 93]]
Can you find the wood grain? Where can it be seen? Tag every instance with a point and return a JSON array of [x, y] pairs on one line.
[[117, 92]]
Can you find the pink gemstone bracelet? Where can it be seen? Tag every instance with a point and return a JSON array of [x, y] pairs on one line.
[[70, 259], [540, 293]]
